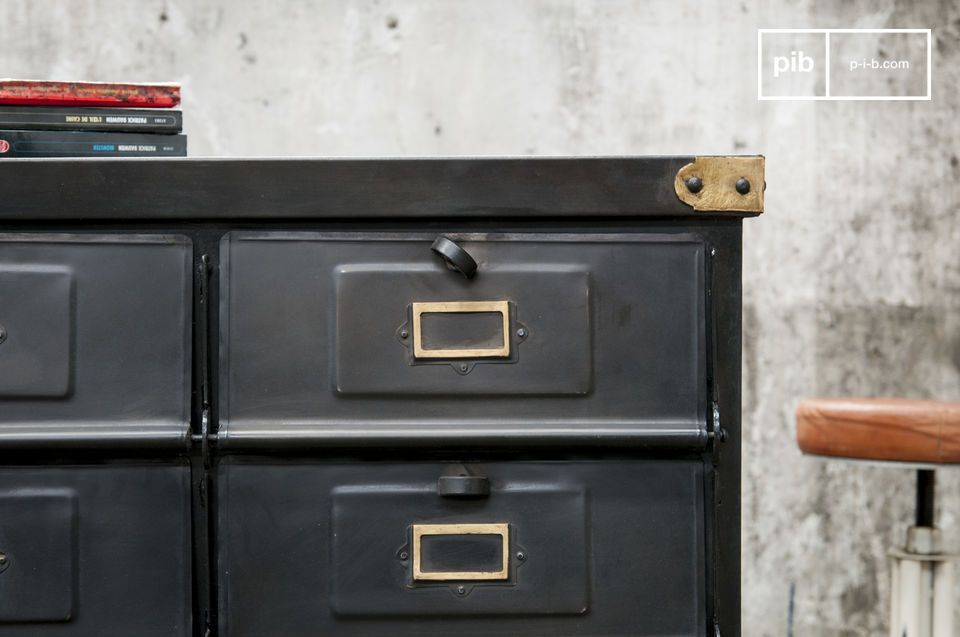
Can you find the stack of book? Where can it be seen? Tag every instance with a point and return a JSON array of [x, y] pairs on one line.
[[40, 118]]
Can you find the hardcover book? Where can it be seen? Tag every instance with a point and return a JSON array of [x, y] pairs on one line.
[[27, 143], [90, 119], [53, 93]]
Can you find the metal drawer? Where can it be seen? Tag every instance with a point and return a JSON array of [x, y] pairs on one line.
[[95, 550], [558, 338], [95, 346], [610, 547]]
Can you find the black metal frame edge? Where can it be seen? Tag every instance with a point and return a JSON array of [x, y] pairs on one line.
[[206, 189]]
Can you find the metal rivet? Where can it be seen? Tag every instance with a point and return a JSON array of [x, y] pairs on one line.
[[521, 332], [463, 367], [521, 556], [403, 555], [404, 333], [461, 590], [743, 186], [694, 184]]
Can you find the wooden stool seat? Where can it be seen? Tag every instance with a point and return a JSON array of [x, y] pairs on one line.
[[894, 429]]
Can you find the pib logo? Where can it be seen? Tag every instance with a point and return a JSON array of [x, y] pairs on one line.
[[796, 62], [4, 145]]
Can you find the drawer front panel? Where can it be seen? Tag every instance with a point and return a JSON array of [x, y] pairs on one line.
[[592, 548], [97, 550], [326, 336], [95, 341]]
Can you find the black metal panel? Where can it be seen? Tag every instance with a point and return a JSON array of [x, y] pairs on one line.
[[96, 347], [312, 347], [372, 552], [320, 547], [505, 188], [38, 305], [724, 537], [95, 550], [549, 304]]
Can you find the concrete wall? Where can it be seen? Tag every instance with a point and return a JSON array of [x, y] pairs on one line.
[[852, 277]]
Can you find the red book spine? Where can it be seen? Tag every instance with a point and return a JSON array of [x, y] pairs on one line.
[[47, 93]]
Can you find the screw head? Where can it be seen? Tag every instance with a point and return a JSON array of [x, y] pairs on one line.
[[463, 367], [521, 332], [404, 333], [743, 186], [521, 556], [3, 558], [403, 555], [694, 184], [3, 333], [461, 590]]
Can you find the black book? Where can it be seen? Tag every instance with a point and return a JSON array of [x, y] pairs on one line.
[[133, 120], [27, 143]]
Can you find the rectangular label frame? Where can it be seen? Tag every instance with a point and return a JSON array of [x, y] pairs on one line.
[[448, 307], [420, 530]]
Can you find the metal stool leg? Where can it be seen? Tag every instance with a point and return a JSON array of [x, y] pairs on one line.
[[921, 595]]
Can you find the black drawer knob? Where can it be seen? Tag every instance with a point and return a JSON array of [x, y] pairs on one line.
[[456, 257], [463, 486]]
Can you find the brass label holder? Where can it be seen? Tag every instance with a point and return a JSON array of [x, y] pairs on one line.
[[419, 309], [722, 184], [420, 530]]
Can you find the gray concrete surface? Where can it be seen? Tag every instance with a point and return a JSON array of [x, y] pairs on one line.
[[852, 277]]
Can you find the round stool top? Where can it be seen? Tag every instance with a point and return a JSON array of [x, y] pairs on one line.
[[893, 429]]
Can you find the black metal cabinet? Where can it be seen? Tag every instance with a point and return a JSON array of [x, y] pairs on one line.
[[257, 398]]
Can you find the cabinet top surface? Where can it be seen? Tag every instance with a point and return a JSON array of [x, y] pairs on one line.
[[353, 189]]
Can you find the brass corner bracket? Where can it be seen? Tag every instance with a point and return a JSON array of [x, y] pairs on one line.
[[722, 184]]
